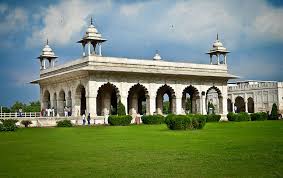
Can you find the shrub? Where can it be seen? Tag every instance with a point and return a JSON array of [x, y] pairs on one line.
[[184, 122], [121, 111], [274, 113], [8, 124], [242, 116], [260, 116], [26, 123], [213, 118], [64, 123], [230, 116], [152, 119], [119, 120]]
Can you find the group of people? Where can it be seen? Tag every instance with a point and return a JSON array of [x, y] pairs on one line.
[[67, 111], [84, 119], [48, 112], [51, 112]]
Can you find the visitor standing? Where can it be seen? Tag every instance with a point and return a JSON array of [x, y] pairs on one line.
[[83, 119], [66, 111], [88, 119]]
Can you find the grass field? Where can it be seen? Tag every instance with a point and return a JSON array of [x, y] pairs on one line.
[[245, 149]]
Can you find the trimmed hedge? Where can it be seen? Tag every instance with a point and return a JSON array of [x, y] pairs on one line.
[[260, 116], [64, 123], [242, 116], [213, 118], [26, 123], [8, 124], [184, 122], [120, 120], [152, 119]]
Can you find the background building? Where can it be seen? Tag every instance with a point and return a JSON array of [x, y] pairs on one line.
[[255, 96]]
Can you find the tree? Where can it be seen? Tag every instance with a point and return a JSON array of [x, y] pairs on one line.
[[32, 107], [16, 106], [274, 112], [210, 105], [166, 107], [121, 109], [6, 109], [189, 105]]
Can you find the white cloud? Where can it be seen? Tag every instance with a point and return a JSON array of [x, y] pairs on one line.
[[239, 23], [269, 23], [64, 21], [14, 20], [3, 8], [132, 9]]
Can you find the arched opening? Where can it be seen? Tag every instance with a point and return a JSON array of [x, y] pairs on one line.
[[107, 100], [165, 100], [251, 105], [239, 104], [214, 101], [81, 100], [229, 105], [61, 103], [191, 100], [138, 100], [46, 100]]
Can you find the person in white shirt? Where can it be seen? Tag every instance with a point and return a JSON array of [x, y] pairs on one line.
[[83, 119]]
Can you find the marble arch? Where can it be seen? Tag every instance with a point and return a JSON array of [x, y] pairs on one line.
[[169, 91], [108, 96]]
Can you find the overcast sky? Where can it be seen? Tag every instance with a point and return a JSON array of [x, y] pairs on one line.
[[180, 30]]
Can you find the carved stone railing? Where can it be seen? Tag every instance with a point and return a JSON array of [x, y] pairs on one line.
[[18, 114], [252, 86]]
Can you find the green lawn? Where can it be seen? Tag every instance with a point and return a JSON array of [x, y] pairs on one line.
[[245, 149]]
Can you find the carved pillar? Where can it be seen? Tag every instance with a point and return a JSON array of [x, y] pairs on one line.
[[91, 105], [178, 106], [152, 104], [159, 103], [124, 101], [246, 106], [204, 112]]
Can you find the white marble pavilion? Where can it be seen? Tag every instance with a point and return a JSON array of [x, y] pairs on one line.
[[95, 83]]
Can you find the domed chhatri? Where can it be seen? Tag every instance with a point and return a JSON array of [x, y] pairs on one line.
[[218, 49], [47, 55], [157, 57], [91, 38]]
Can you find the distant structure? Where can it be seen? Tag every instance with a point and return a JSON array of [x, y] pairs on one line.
[[95, 83], [254, 96], [218, 50]]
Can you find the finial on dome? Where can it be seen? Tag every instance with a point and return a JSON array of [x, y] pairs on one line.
[[157, 57], [91, 21], [47, 41], [217, 37]]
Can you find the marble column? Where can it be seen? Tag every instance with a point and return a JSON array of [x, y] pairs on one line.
[[91, 105], [178, 105], [152, 104], [124, 101], [204, 112]]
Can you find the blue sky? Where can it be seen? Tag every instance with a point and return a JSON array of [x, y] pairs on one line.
[[180, 30]]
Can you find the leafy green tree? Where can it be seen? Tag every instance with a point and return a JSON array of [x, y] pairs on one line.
[[210, 105], [121, 109], [32, 107], [166, 107], [16, 106], [274, 112], [189, 105], [6, 109]]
